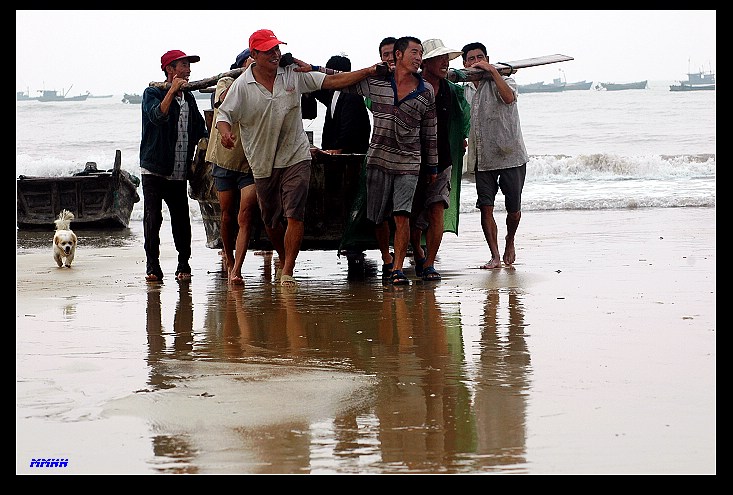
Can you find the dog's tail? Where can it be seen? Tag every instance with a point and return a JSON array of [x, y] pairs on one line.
[[63, 222]]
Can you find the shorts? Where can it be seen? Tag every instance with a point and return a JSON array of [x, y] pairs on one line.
[[427, 194], [230, 180], [388, 194], [511, 182], [284, 193]]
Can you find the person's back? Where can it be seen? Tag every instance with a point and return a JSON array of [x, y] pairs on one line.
[[346, 128]]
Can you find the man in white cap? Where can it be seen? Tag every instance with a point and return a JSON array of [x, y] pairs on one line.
[[172, 127], [266, 103], [436, 204]]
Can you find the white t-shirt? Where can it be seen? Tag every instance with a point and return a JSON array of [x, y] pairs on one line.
[[270, 124]]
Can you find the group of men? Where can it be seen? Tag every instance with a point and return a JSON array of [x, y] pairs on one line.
[[261, 156]]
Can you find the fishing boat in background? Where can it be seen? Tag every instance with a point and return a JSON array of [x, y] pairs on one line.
[[578, 86], [24, 96], [132, 99], [623, 86], [696, 81], [53, 95], [97, 198], [541, 87]]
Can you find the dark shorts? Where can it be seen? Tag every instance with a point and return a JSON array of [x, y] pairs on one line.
[[284, 193], [388, 194], [509, 180], [230, 180], [427, 194]]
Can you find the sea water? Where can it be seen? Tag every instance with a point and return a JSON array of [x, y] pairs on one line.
[[588, 149]]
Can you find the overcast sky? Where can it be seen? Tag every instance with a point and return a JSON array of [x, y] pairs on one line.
[[115, 52]]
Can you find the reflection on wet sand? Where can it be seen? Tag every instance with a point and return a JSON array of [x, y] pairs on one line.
[[420, 410]]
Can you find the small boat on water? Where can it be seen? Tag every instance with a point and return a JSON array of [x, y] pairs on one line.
[[556, 86], [53, 95], [132, 99], [97, 198], [578, 86], [696, 81], [623, 86], [24, 96]]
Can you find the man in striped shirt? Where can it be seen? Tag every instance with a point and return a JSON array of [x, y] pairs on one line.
[[404, 139]]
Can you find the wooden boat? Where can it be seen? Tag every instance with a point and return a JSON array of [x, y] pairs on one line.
[[132, 99], [52, 95], [335, 182], [623, 86], [696, 81], [98, 199]]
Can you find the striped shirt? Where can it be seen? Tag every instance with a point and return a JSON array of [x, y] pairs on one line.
[[405, 132]]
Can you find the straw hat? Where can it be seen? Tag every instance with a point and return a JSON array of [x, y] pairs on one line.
[[435, 48]]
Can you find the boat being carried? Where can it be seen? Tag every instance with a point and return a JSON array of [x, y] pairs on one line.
[[53, 95], [696, 81], [623, 86], [98, 199]]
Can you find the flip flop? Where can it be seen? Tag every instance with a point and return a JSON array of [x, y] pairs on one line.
[[399, 278], [429, 274]]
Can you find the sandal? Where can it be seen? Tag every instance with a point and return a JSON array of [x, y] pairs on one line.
[[429, 274], [420, 266], [399, 278]]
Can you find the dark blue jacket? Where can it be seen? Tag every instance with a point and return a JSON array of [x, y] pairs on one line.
[[160, 132]]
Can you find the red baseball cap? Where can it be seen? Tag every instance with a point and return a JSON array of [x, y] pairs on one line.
[[171, 56], [263, 40]]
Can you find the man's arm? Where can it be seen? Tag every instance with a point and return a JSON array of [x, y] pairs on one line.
[[343, 79]]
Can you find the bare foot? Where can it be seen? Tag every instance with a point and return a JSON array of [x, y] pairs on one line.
[[491, 264], [510, 255], [236, 280]]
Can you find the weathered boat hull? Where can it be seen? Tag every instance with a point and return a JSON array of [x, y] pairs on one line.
[[334, 184], [98, 199]]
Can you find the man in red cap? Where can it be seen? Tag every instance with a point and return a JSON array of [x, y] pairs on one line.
[[265, 102], [172, 126]]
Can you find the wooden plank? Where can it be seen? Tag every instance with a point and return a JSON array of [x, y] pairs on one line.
[[504, 68]]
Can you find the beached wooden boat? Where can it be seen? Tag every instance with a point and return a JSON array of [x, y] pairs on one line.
[[98, 199], [624, 86]]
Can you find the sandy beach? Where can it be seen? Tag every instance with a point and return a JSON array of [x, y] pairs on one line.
[[594, 354]]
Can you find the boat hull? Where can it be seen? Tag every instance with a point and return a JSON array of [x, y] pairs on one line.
[[98, 199], [334, 184], [624, 86], [692, 87]]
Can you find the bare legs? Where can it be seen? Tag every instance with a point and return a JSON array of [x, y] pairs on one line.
[[236, 228], [433, 235], [488, 225], [287, 241]]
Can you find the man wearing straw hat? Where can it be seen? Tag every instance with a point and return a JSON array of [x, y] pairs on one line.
[[436, 204]]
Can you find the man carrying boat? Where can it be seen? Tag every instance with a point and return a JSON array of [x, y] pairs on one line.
[[265, 101]]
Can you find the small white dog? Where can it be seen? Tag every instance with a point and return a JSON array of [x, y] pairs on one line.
[[64, 240]]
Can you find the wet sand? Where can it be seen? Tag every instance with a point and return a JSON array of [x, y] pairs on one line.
[[595, 353]]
